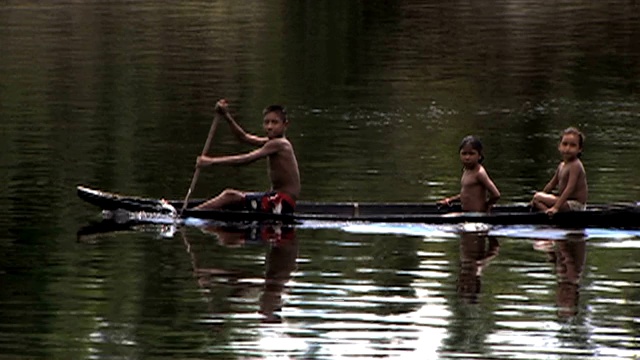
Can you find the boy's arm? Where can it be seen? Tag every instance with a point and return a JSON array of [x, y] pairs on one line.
[[242, 135], [240, 159], [552, 183], [237, 130], [494, 193]]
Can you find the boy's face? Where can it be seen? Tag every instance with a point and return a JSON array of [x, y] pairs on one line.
[[569, 146], [273, 125]]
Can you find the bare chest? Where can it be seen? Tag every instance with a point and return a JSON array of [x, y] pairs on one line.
[[563, 173], [469, 179]]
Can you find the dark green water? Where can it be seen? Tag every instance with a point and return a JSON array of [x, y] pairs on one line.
[[119, 96]]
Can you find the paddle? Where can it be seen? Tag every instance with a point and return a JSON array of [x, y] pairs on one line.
[[205, 149]]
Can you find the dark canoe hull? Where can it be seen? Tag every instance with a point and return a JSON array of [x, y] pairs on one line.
[[608, 216]]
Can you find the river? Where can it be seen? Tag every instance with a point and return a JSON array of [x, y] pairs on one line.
[[119, 96]]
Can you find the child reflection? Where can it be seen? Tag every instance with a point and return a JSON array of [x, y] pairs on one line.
[[476, 252], [280, 261], [568, 257]]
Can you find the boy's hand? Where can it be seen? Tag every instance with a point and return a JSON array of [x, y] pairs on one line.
[[201, 161], [551, 211], [222, 106]]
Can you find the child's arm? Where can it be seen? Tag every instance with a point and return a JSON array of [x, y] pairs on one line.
[[572, 181], [449, 200], [240, 159], [492, 189], [552, 183], [223, 109]]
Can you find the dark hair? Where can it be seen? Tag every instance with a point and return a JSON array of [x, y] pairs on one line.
[[278, 109], [475, 143]]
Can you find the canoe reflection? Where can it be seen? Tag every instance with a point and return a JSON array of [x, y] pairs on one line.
[[280, 261], [476, 252], [568, 257]]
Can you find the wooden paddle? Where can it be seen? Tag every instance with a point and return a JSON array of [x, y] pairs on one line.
[[205, 150]]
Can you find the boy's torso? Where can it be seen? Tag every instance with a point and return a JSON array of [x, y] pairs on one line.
[[283, 169]]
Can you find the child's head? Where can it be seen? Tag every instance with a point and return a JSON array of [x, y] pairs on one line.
[[471, 143], [279, 110], [275, 121], [572, 134]]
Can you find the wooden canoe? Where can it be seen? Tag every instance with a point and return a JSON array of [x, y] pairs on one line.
[[623, 215]]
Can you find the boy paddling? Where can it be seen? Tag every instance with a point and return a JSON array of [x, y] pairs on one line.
[[282, 166], [570, 178]]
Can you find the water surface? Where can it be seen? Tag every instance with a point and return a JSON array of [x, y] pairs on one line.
[[119, 96]]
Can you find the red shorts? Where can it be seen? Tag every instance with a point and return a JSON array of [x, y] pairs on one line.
[[277, 235], [272, 201]]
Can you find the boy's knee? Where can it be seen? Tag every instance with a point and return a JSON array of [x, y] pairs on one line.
[[538, 195], [232, 193]]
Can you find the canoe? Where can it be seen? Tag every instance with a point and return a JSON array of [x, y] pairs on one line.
[[618, 215]]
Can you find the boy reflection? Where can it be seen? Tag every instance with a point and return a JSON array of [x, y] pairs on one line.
[[569, 257], [476, 251], [280, 261]]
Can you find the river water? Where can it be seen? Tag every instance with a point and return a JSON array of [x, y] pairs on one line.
[[119, 96]]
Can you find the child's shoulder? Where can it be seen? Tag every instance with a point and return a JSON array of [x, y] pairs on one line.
[[478, 171], [576, 164], [481, 169], [279, 140], [282, 143]]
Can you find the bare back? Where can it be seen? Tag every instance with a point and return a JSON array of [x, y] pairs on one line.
[[580, 191], [282, 167]]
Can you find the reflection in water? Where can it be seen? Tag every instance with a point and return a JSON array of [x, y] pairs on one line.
[[280, 261], [476, 251], [569, 257], [472, 320]]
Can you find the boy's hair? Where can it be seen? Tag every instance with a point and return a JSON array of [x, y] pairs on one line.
[[475, 143], [574, 131], [278, 109]]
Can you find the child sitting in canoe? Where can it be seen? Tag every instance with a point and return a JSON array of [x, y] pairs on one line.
[[282, 165], [478, 193], [570, 178]]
